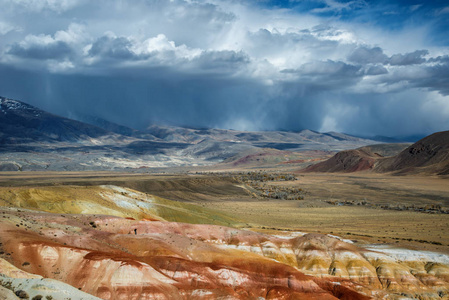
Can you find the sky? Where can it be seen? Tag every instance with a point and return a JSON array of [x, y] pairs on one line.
[[360, 67]]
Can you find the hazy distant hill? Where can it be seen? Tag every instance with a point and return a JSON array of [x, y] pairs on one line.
[[429, 155], [281, 140], [105, 124], [113, 127]]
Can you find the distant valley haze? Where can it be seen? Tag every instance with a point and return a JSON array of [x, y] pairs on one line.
[[365, 68]]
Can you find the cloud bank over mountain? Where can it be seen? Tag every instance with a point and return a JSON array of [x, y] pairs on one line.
[[350, 66]]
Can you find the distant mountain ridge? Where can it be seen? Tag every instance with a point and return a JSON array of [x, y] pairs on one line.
[[23, 123], [33, 139], [281, 140]]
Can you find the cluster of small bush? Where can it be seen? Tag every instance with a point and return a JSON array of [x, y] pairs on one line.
[[263, 176], [271, 191], [276, 192]]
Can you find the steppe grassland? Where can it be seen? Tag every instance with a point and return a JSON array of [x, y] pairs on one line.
[[364, 223], [324, 210]]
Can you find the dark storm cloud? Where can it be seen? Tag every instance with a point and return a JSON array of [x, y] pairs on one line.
[[440, 59], [52, 50], [330, 69], [222, 61], [365, 55], [316, 77], [112, 47], [322, 65], [412, 58], [437, 79], [376, 70]]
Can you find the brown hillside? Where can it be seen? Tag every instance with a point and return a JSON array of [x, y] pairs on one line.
[[347, 161], [429, 155]]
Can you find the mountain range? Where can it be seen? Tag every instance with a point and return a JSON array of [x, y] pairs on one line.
[[33, 139]]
